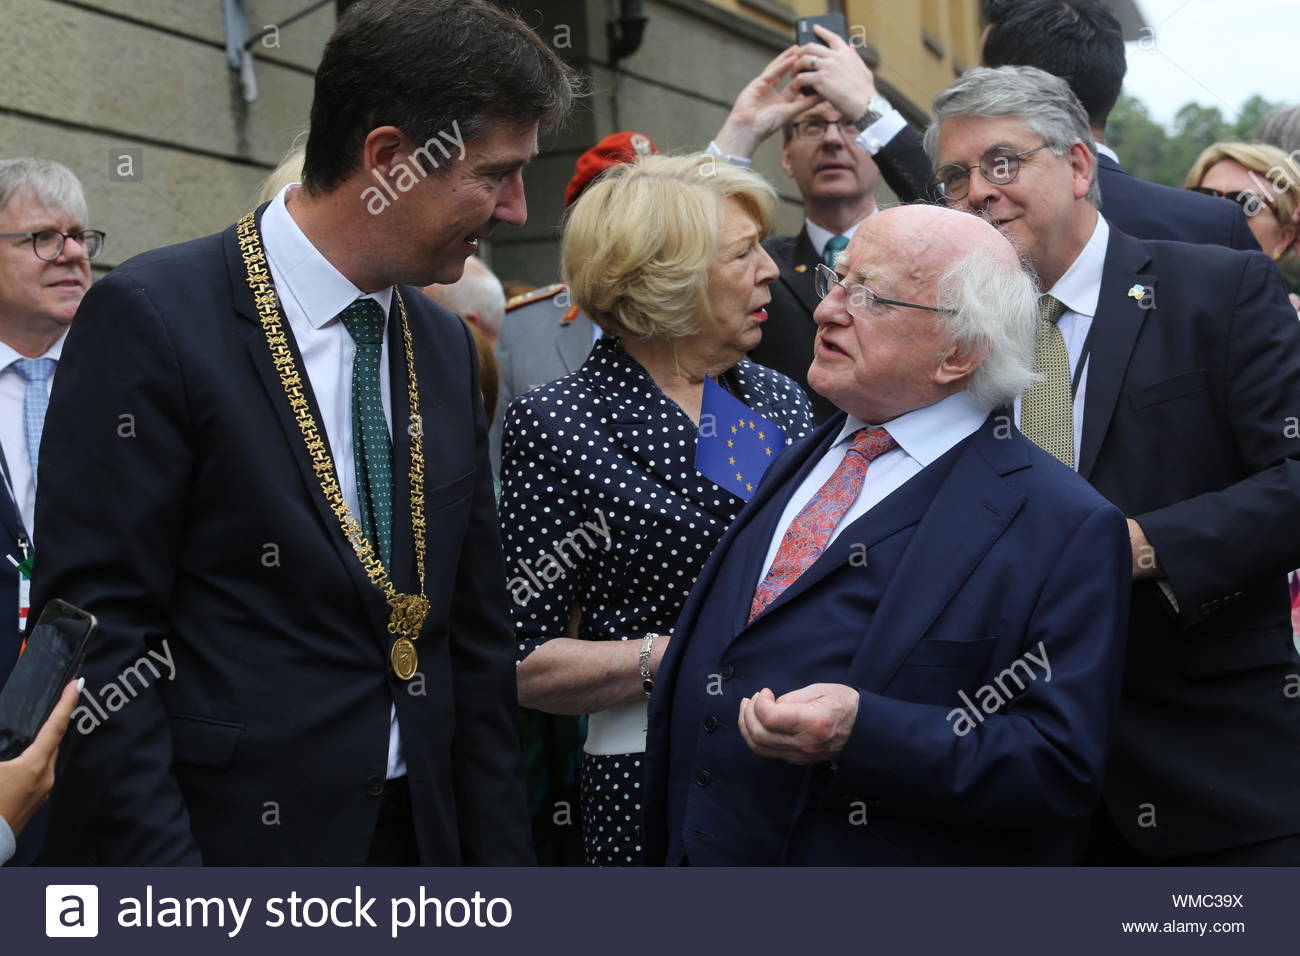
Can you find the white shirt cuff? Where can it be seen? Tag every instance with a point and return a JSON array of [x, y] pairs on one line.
[[877, 136], [741, 161], [7, 844]]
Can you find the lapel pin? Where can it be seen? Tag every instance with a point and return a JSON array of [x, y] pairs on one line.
[[1145, 295], [801, 268]]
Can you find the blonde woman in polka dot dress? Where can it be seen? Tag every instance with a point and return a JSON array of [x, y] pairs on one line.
[[605, 519]]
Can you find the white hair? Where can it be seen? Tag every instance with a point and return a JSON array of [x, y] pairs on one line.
[[996, 306], [53, 184], [478, 291], [1045, 102]]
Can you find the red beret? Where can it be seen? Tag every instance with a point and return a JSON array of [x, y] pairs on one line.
[[613, 149]]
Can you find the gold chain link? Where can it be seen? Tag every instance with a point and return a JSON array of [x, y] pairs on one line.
[[407, 611]]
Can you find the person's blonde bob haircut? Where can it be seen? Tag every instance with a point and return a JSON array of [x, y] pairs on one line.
[[639, 241], [1279, 178]]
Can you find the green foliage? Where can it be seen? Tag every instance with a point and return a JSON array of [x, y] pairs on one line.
[[1149, 151]]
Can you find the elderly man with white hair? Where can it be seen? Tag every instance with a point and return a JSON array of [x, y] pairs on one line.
[[907, 648], [477, 297]]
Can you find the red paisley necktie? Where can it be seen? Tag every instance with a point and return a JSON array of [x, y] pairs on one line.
[[810, 532]]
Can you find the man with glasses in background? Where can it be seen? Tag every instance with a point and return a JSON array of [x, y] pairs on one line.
[[1168, 380], [45, 253]]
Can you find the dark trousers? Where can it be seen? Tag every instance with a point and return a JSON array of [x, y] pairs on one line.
[[394, 841], [1107, 846]]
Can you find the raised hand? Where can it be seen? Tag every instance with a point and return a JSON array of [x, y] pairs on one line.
[[763, 107]]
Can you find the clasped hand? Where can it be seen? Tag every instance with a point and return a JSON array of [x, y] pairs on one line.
[[809, 725]]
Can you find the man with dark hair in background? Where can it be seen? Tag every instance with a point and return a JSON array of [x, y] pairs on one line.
[[288, 534]]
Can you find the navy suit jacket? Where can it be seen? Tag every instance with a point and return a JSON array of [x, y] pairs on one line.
[[1189, 427], [1152, 211], [179, 505], [1011, 550], [10, 635]]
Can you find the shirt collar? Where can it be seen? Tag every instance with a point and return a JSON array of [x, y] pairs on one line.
[[926, 434], [1108, 152], [1080, 287], [9, 355], [819, 236], [320, 290]]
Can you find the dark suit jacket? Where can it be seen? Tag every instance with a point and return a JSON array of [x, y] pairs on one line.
[[1010, 550], [1152, 211], [10, 635], [178, 504], [1185, 430]]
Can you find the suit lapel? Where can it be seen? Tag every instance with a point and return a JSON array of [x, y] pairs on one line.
[[403, 569], [766, 507], [970, 511], [260, 355], [8, 518], [797, 271], [1115, 330]]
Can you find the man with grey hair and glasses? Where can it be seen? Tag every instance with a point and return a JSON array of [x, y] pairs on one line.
[[1169, 380], [45, 253], [907, 649]]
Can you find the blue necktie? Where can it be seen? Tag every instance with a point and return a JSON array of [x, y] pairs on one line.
[[834, 246], [36, 372], [371, 446]]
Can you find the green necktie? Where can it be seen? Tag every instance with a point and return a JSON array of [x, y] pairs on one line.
[[371, 446], [1047, 407], [834, 246]]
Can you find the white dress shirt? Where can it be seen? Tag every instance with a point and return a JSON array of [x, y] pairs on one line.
[[13, 390], [1078, 290], [313, 293], [1109, 153], [923, 435]]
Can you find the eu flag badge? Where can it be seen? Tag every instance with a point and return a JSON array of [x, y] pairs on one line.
[[735, 444]]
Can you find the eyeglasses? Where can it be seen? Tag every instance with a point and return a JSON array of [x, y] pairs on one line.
[[1251, 202], [48, 243], [816, 128], [825, 279], [999, 166]]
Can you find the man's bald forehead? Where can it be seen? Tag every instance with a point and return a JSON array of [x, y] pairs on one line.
[[933, 232]]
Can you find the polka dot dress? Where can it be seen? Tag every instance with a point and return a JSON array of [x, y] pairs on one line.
[[602, 509]]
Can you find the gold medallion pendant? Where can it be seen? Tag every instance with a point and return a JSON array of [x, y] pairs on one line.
[[406, 611], [404, 658]]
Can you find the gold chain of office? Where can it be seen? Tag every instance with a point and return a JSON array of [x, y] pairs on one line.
[[406, 611]]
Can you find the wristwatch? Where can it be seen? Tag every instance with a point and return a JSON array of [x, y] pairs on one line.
[[877, 107]]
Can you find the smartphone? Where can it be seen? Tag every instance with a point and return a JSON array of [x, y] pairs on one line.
[[803, 28], [56, 648], [803, 33]]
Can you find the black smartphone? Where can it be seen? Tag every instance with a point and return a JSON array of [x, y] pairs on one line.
[[835, 22], [55, 649], [803, 33]]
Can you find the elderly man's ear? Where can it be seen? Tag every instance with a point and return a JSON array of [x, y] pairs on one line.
[[960, 362]]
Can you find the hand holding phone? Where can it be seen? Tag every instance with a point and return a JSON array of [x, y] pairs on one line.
[[830, 67], [55, 649]]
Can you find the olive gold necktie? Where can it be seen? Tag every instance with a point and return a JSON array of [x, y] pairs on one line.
[[1047, 407], [372, 448]]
